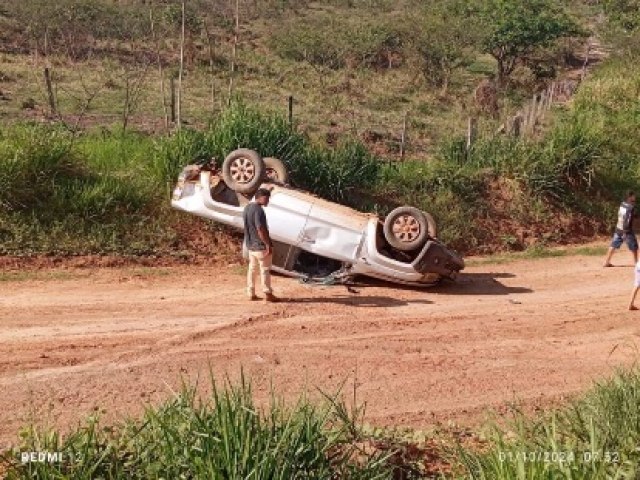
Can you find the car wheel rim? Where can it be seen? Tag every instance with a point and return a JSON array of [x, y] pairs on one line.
[[242, 170], [406, 228]]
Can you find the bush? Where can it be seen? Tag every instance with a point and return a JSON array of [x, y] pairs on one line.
[[336, 43]]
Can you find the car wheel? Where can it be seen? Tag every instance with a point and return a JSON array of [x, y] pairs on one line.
[[243, 170], [406, 228], [276, 171], [431, 225]]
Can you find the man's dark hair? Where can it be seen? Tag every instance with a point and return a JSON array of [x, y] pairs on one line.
[[263, 192], [630, 193]]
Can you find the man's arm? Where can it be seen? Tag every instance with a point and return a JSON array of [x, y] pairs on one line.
[[263, 233]]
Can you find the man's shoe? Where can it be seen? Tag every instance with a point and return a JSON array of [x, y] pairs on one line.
[[253, 298], [270, 297]]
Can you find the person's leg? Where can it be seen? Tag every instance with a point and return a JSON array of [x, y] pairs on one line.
[[615, 244], [265, 273], [633, 298], [607, 261], [636, 287], [251, 276], [632, 243]]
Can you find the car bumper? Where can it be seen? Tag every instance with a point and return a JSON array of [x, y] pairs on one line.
[[436, 258]]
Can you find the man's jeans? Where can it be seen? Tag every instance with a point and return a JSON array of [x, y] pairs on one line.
[[259, 261]]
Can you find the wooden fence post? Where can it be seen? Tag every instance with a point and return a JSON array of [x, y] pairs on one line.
[[173, 99], [586, 62], [531, 121], [403, 136], [472, 124], [291, 110], [52, 98]]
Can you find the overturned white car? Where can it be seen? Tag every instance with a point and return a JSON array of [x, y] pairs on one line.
[[315, 238]]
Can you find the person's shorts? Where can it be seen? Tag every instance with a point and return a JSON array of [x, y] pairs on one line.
[[629, 238]]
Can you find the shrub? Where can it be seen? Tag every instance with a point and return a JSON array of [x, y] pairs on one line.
[[336, 43]]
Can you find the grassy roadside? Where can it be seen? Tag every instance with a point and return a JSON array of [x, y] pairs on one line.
[[105, 191], [54, 274], [51, 272], [225, 435], [539, 252]]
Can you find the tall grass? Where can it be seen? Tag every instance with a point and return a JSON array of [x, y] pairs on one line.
[[107, 192], [221, 436], [594, 437], [332, 173]]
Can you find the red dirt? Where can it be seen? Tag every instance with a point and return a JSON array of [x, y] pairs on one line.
[[115, 338]]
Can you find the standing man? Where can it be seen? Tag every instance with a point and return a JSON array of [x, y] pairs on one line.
[[624, 230], [259, 245]]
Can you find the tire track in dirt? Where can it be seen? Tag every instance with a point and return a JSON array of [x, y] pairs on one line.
[[531, 332]]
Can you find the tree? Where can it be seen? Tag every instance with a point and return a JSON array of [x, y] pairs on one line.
[[515, 29], [442, 47], [443, 39], [623, 13]]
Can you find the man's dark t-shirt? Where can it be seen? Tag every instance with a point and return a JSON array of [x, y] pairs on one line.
[[254, 218]]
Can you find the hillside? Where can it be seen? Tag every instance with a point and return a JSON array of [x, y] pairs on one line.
[[103, 151]]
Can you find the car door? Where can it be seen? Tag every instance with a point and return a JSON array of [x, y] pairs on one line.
[[334, 231], [287, 215]]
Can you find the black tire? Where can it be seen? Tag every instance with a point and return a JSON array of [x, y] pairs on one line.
[[431, 225], [276, 172], [406, 229], [243, 170]]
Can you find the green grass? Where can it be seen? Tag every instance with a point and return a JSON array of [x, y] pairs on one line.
[[225, 434], [221, 436], [538, 252], [594, 437]]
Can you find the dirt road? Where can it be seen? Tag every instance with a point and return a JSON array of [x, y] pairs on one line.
[[531, 331]]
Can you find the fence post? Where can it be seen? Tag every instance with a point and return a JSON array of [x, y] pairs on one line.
[[516, 125], [472, 124], [52, 98], [173, 99], [403, 137], [531, 122], [586, 62], [542, 107], [291, 110]]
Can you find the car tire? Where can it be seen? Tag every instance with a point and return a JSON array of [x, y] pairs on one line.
[[243, 170], [431, 225], [406, 229], [275, 171]]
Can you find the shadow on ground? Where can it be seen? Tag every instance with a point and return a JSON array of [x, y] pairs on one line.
[[465, 284], [480, 284], [357, 300]]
